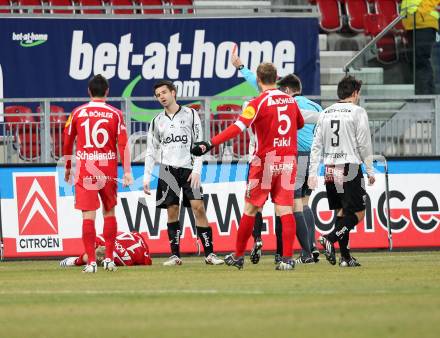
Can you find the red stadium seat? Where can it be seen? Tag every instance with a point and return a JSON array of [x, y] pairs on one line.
[[390, 10], [387, 46], [146, 3], [240, 146], [30, 3], [356, 9], [330, 11], [225, 115], [57, 120], [61, 3], [122, 3], [25, 130], [92, 3], [181, 3], [5, 3], [195, 106]]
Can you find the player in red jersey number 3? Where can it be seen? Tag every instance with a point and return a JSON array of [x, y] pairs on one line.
[[98, 129], [274, 118]]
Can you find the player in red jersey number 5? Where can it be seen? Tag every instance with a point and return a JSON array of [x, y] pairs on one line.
[[274, 118]]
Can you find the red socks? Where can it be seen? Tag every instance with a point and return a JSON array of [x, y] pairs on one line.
[[244, 232], [80, 260], [89, 237], [110, 231], [288, 226]]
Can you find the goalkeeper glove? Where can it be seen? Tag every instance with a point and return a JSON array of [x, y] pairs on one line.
[[201, 148]]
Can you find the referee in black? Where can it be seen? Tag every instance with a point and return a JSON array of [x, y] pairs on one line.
[[343, 141]]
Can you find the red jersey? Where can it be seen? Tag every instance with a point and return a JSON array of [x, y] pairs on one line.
[[130, 249], [98, 129], [275, 119]]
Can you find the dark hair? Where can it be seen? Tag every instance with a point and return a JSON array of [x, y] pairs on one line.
[[166, 83], [267, 73], [347, 86], [98, 86], [291, 81]]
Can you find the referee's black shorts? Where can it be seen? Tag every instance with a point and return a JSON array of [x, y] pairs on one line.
[[345, 187], [171, 181]]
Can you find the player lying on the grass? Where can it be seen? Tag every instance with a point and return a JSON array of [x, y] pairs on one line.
[[343, 140], [274, 118], [99, 131], [130, 249], [170, 136], [305, 222]]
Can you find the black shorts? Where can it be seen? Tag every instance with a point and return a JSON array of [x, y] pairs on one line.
[[345, 187], [302, 175], [171, 181]]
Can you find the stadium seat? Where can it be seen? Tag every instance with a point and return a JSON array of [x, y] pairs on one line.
[[146, 3], [122, 3], [390, 10], [240, 146], [30, 3], [61, 3], [195, 106], [181, 3], [330, 12], [92, 3], [356, 9], [224, 115], [387, 46], [5, 3], [21, 123], [57, 122]]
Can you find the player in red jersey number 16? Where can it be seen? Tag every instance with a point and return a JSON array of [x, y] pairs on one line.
[[98, 130], [274, 118]]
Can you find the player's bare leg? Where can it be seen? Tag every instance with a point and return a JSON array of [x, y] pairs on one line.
[[244, 233], [110, 231], [174, 233], [204, 232], [89, 237]]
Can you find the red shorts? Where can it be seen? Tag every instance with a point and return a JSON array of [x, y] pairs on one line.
[[278, 180], [87, 199]]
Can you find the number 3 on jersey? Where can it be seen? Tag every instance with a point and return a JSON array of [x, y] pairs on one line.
[[335, 125], [96, 131], [283, 118]]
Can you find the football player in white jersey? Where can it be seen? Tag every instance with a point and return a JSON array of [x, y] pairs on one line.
[[343, 140], [170, 136]]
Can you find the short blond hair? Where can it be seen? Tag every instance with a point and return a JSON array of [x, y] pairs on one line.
[[267, 73]]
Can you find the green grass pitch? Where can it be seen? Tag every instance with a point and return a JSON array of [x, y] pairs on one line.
[[391, 295]]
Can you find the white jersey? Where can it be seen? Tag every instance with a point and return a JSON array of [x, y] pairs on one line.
[[170, 140], [342, 135]]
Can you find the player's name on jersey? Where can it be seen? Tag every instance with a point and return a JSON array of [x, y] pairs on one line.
[[95, 155], [281, 142], [95, 113]]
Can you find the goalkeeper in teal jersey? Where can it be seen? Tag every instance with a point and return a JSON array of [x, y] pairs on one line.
[[305, 222]]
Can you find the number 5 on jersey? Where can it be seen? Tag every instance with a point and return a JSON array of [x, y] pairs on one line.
[[283, 118]]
